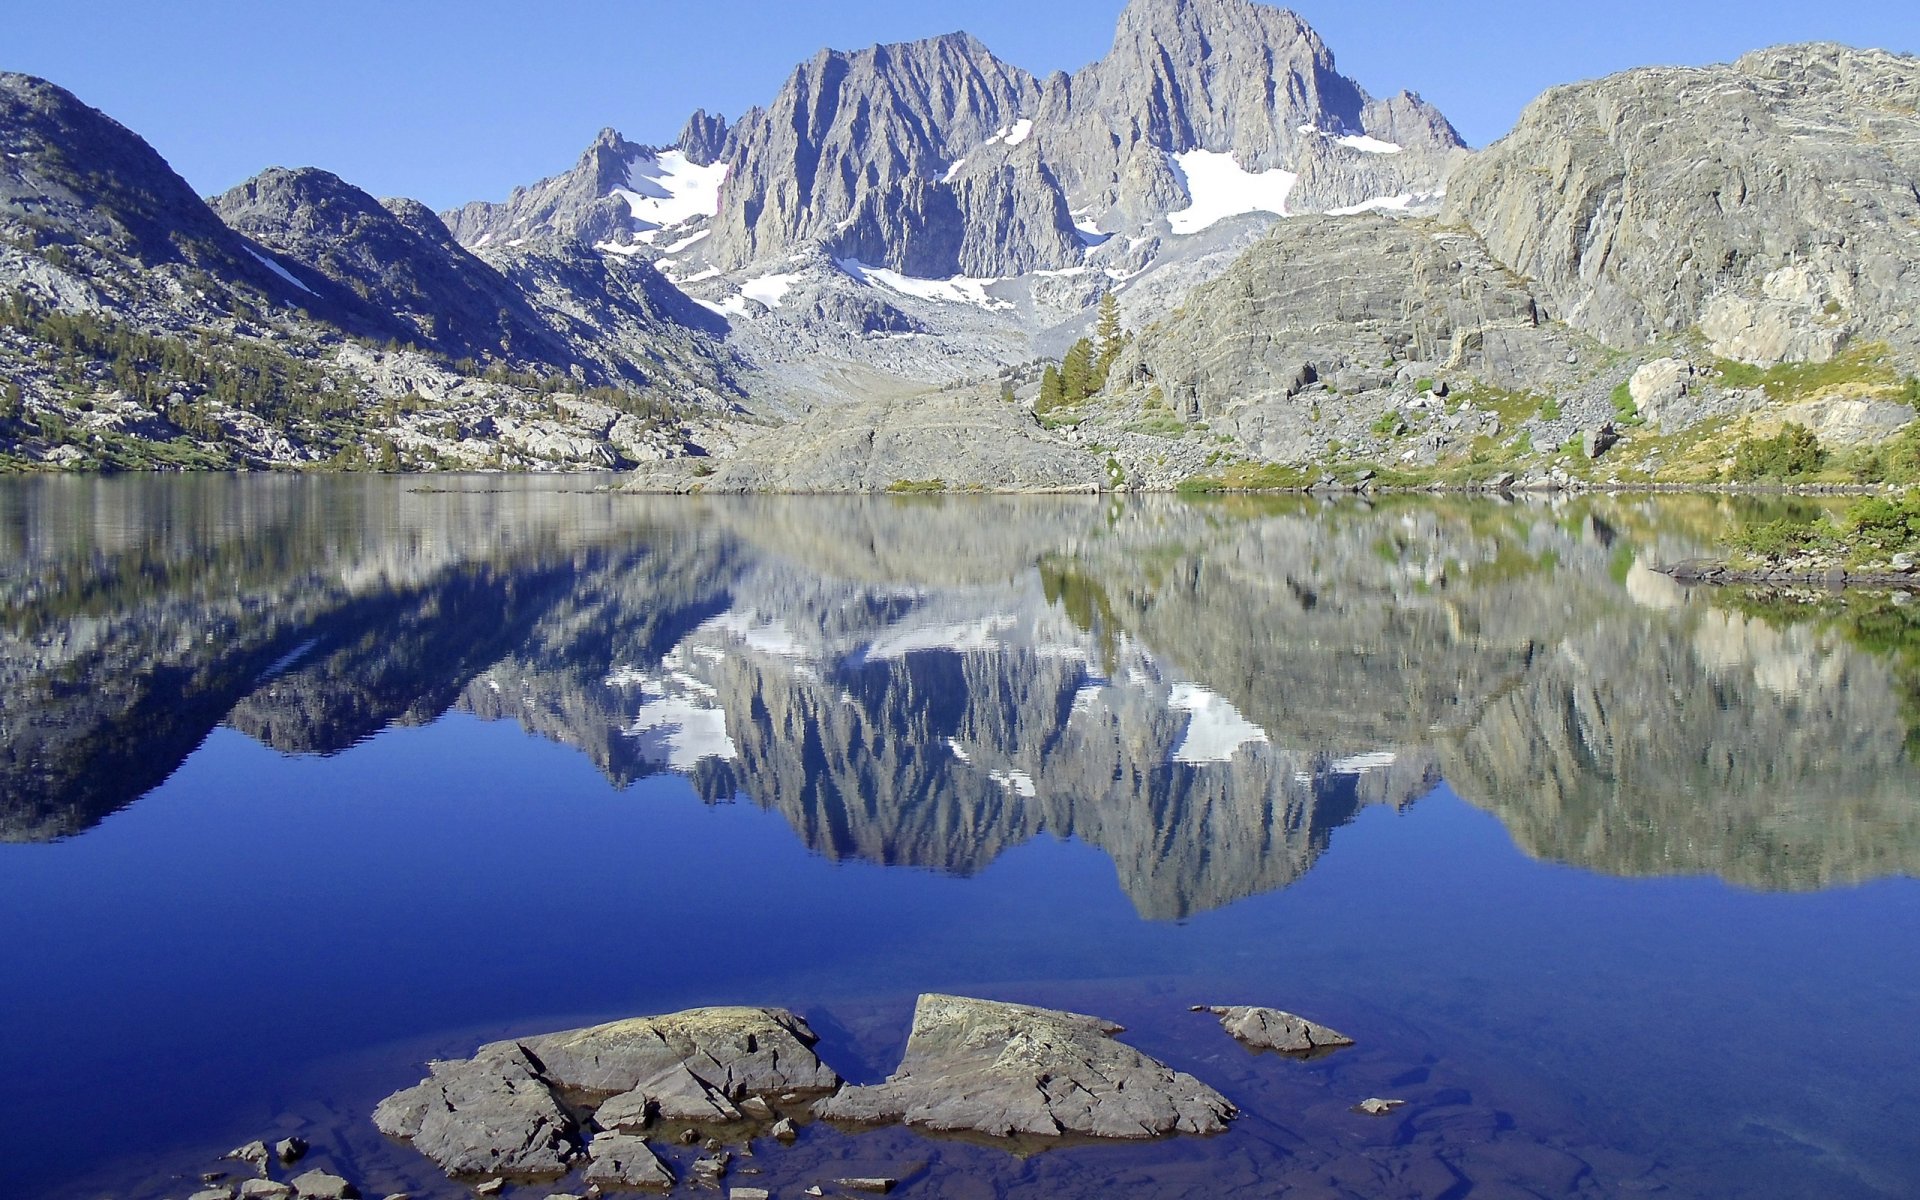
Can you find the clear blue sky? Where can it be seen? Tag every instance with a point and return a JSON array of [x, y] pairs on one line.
[[450, 101]]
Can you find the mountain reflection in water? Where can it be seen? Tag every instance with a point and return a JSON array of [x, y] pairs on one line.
[[1203, 691]]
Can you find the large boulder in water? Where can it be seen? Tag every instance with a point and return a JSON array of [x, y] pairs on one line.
[[1010, 1069]]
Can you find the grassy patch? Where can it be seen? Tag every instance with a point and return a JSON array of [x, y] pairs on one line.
[[916, 487], [1250, 477], [1864, 369]]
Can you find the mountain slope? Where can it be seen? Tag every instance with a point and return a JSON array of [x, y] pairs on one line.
[[1773, 202]]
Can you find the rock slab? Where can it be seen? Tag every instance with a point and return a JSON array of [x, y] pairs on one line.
[[1273, 1029], [499, 1113], [1011, 1069]]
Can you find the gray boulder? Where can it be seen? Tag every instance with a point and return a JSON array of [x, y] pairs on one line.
[[489, 1115], [1272, 1029], [626, 1161], [1011, 1069], [323, 1185], [728, 1053]]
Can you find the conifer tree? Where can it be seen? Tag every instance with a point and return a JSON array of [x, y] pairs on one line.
[[1107, 335], [1052, 394], [1076, 373]]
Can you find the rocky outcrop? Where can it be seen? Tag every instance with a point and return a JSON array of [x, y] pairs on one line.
[[494, 1114], [1272, 1029], [1009, 1069], [1769, 202], [579, 205], [1242, 79], [731, 1053], [499, 1113], [1324, 318]]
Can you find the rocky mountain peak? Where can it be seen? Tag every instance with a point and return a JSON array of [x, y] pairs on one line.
[[704, 139]]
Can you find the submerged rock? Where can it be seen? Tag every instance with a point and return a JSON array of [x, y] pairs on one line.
[[492, 1114], [1272, 1029], [1377, 1107], [624, 1160], [254, 1154], [1008, 1069]]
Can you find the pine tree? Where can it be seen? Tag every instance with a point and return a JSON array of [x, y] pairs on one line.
[[1052, 394], [1107, 335], [1076, 373], [1006, 391]]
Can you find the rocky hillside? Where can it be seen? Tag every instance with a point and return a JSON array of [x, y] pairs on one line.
[[1602, 299], [299, 322]]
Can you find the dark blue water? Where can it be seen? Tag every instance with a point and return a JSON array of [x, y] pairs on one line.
[[1612, 883]]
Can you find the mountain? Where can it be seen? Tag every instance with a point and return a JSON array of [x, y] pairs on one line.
[[94, 219], [295, 320], [877, 175], [839, 290], [1662, 252]]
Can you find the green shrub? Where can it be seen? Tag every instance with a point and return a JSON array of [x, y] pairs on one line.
[[1784, 536], [1793, 453], [1888, 526]]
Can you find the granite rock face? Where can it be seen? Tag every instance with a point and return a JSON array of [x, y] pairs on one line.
[[1344, 306], [1248, 80], [1770, 202], [578, 205], [1009, 1069]]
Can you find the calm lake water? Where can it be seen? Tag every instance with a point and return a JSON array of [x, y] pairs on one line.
[[307, 781]]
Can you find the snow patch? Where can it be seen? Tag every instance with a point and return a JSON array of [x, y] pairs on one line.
[[954, 170], [1215, 728], [960, 638], [1018, 782], [1222, 188], [688, 242], [1013, 134], [769, 290], [1400, 203], [671, 189], [681, 733], [1369, 145], [768, 637], [281, 271], [960, 289]]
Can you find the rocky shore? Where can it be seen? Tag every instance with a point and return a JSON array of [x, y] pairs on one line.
[[689, 1099]]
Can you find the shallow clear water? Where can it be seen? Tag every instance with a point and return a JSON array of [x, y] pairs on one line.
[[309, 780]]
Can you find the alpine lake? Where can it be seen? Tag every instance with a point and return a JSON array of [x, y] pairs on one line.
[[309, 780]]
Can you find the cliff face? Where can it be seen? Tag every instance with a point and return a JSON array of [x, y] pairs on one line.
[[1771, 202]]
